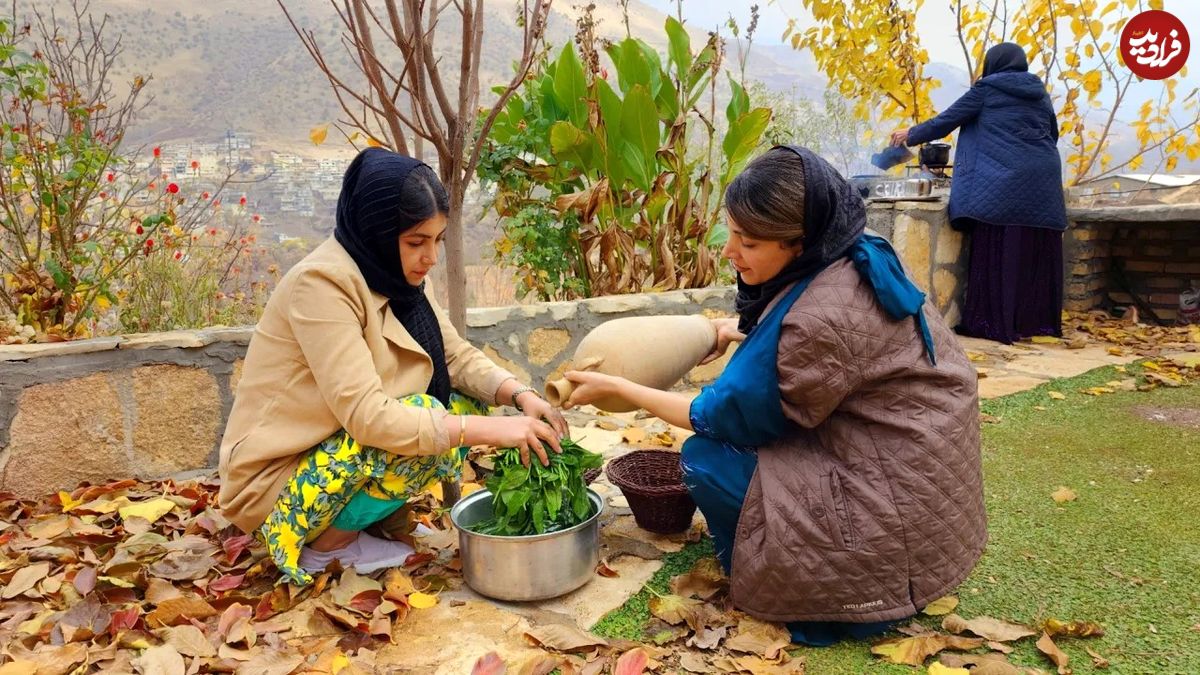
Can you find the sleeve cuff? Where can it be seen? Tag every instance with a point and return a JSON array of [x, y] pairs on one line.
[[491, 386], [441, 440], [696, 413]]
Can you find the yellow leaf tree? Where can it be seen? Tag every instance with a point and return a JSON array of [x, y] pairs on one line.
[[1072, 46], [871, 53]]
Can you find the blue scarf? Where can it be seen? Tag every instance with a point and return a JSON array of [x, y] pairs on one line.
[[744, 406]]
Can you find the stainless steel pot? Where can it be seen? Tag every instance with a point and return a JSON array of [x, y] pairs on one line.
[[534, 567]]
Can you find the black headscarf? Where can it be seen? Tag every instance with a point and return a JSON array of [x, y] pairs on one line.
[[834, 218], [1005, 57], [371, 216]]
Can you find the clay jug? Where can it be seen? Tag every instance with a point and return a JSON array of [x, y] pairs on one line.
[[655, 351]]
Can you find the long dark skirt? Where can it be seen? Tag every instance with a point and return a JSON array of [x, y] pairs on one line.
[[1014, 284]]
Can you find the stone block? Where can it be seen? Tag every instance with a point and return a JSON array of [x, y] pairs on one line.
[[27, 352], [176, 339], [912, 242], [953, 314], [504, 363], [945, 288], [177, 419], [65, 433], [710, 371], [1083, 234], [236, 375], [483, 317], [1153, 251], [949, 246], [1122, 251], [615, 304], [546, 343]]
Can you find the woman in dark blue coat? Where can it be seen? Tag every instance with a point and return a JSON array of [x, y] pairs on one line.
[[1007, 193]]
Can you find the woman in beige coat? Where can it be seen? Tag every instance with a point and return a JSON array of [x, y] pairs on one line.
[[357, 394]]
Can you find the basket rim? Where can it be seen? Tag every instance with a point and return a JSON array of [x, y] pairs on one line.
[[617, 469]]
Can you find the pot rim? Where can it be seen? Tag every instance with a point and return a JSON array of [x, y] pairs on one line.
[[484, 493]]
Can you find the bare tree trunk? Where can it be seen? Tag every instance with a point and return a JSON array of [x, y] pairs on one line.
[[456, 273]]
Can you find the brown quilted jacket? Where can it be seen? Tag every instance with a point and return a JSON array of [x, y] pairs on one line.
[[873, 506]]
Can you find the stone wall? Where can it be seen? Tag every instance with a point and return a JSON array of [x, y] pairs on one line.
[[155, 405], [933, 252], [1112, 254]]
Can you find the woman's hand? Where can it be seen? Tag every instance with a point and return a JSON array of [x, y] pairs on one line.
[[590, 386], [727, 333], [523, 433], [900, 137], [539, 408]]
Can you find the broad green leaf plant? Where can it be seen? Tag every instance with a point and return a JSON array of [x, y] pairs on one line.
[[620, 173]]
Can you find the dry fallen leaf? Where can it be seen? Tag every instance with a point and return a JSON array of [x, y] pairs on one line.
[[564, 638], [913, 651], [704, 580], [995, 664], [489, 664], [936, 668], [943, 605], [151, 510], [632, 662], [767, 640], [694, 663], [708, 638], [160, 660], [24, 580], [1046, 645], [420, 600], [988, 628], [633, 435], [187, 640], [604, 570], [672, 608], [1098, 662], [1078, 629], [1064, 494], [1056, 395]]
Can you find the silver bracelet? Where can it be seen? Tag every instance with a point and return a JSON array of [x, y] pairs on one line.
[[518, 392]]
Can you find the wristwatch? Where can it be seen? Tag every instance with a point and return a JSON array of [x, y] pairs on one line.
[[518, 392]]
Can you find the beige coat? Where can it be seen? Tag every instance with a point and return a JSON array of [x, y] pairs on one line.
[[873, 506], [328, 354]]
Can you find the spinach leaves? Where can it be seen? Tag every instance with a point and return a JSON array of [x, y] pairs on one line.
[[539, 499]]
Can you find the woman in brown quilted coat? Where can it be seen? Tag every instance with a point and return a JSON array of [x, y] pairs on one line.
[[836, 459]]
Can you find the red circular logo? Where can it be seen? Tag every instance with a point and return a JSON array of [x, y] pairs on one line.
[[1155, 45]]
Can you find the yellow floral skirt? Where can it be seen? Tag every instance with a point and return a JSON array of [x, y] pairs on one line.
[[343, 484]]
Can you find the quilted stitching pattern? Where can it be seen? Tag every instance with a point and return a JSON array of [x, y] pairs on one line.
[[874, 506]]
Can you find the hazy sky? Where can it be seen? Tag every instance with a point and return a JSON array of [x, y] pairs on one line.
[[935, 22]]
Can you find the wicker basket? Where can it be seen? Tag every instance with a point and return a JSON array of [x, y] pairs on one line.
[[652, 482], [591, 475]]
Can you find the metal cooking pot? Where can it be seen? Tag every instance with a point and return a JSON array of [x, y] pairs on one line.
[[901, 188], [935, 154], [534, 567]]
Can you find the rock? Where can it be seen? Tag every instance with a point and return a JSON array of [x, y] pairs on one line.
[[614, 304], [949, 246], [27, 352], [545, 344], [521, 373], [911, 239], [65, 433], [178, 419]]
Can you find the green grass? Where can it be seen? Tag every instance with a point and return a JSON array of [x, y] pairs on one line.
[[1126, 553], [626, 621]]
